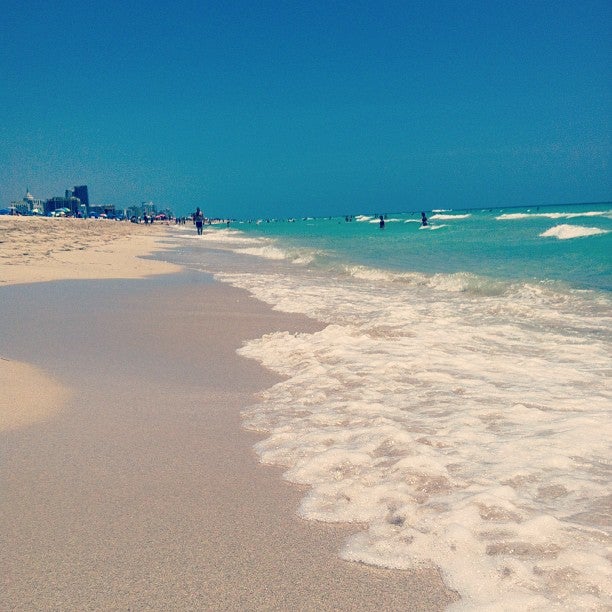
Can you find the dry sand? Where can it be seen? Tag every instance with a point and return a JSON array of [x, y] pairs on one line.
[[35, 249], [143, 492]]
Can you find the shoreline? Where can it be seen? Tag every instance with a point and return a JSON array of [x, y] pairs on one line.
[[144, 491]]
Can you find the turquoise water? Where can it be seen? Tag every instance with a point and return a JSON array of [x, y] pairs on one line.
[[499, 244]]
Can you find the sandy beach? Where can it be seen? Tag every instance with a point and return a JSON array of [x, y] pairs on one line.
[[35, 249], [128, 482]]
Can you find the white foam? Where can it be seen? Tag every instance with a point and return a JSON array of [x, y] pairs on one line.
[[267, 252], [553, 215], [366, 273], [433, 227], [450, 217], [459, 282], [265, 248], [566, 232], [230, 237], [468, 431]]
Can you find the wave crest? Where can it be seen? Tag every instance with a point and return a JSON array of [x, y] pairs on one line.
[[566, 231]]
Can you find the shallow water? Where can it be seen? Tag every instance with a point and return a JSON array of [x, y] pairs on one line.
[[457, 401]]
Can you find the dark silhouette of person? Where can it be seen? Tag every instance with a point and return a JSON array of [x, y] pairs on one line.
[[382, 222], [424, 219], [198, 219]]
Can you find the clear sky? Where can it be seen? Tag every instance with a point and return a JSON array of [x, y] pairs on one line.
[[287, 108]]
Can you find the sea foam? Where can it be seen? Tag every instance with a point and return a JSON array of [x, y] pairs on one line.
[[463, 422], [565, 232], [450, 217], [553, 215], [463, 441]]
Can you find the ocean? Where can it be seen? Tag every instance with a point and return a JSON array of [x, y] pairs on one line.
[[456, 404]]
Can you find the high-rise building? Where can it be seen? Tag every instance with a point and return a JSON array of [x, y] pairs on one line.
[[70, 203], [81, 193]]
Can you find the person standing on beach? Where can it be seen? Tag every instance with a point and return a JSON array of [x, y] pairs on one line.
[[198, 219]]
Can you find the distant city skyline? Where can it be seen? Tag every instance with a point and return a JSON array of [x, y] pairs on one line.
[[75, 202], [313, 108], [151, 206]]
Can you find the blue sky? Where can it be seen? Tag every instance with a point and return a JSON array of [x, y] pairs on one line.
[[271, 108]]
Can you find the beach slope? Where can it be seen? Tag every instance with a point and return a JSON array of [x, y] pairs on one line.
[[139, 489]]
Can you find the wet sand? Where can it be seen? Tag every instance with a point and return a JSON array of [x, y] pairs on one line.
[[142, 492], [23, 404]]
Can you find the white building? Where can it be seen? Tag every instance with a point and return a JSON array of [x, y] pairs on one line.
[[29, 205]]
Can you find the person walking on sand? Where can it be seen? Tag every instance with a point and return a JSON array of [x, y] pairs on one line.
[[198, 219]]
